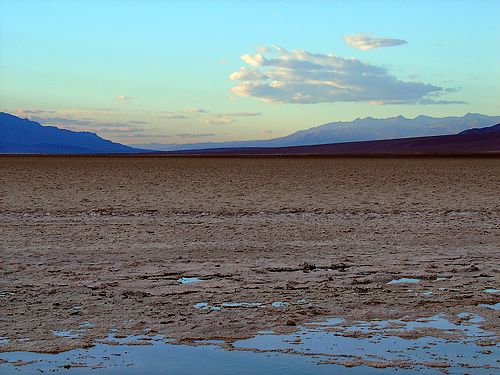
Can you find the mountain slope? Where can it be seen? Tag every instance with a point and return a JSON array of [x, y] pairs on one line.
[[491, 129], [483, 141], [19, 135], [366, 129]]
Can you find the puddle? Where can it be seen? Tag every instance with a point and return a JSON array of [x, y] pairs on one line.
[[241, 304], [4, 340], [427, 293], [87, 325], [162, 357], [189, 280], [226, 305], [471, 318], [210, 342], [491, 290], [391, 343], [68, 334], [495, 306], [374, 347], [201, 305], [403, 280], [279, 304], [441, 279], [234, 305], [5, 293]]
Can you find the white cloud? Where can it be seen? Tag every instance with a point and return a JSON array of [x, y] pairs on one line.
[[83, 120], [196, 110], [276, 75], [208, 117], [176, 117], [238, 114], [196, 135], [219, 120], [123, 98], [365, 42], [228, 117]]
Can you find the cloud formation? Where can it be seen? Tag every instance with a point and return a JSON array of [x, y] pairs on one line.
[[196, 135], [208, 117], [197, 110], [176, 117], [79, 120], [276, 75], [365, 42], [228, 117], [219, 120], [123, 98]]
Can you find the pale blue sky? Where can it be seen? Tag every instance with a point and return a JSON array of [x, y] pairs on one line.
[[135, 71]]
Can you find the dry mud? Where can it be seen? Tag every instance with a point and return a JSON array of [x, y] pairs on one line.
[[103, 240]]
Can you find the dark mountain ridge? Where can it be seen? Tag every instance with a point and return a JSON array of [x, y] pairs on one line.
[[485, 141], [19, 135], [361, 129], [490, 129]]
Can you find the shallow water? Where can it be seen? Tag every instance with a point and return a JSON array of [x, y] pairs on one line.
[[441, 279], [316, 348], [495, 306], [68, 334], [241, 304], [164, 358], [233, 305], [379, 342], [227, 305], [491, 290], [189, 280], [87, 325], [404, 280]]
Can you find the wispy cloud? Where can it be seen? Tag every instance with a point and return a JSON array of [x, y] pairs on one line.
[[197, 110], [228, 117], [219, 120], [176, 117], [365, 41], [123, 98], [31, 112], [196, 135], [81, 120], [208, 117], [238, 114], [277, 75]]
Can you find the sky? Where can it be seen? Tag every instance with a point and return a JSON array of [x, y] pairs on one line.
[[149, 71]]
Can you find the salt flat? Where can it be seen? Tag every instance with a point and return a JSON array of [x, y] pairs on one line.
[[275, 242]]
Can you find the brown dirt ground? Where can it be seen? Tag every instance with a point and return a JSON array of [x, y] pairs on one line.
[[103, 240]]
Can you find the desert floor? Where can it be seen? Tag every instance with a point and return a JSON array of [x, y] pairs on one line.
[[104, 240]]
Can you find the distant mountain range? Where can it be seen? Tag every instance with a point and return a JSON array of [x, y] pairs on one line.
[[19, 135], [365, 129], [482, 141]]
